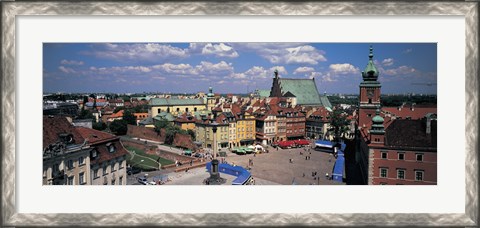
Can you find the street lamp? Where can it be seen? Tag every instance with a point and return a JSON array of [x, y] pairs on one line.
[[215, 178]]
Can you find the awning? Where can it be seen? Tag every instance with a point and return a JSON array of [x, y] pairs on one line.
[[338, 169]]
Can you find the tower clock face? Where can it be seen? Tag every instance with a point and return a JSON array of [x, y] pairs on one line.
[[369, 93]]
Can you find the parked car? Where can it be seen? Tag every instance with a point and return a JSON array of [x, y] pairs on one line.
[[133, 170], [151, 183], [142, 180]]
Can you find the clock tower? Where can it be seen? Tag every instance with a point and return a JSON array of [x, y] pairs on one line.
[[369, 93]]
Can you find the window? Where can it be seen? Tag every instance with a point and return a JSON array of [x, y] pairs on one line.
[[112, 167], [120, 180], [81, 161], [104, 170], [195, 109], [70, 164], [384, 155], [113, 181], [383, 172], [400, 174], [111, 148], [81, 178], [186, 109], [120, 165], [419, 157], [401, 156], [419, 175], [94, 153], [95, 174], [178, 109], [159, 110], [70, 180]]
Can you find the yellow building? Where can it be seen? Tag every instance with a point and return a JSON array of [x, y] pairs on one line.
[[175, 106], [204, 134], [185, 122], [245, 129]]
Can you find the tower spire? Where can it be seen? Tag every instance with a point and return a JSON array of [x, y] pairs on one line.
[[370, 73]]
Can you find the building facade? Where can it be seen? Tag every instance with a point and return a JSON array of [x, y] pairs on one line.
[[397, 151], [108, 157], [175, 106]]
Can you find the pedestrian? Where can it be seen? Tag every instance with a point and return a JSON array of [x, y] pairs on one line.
[[327, 176], [303, 174], [306, 157]]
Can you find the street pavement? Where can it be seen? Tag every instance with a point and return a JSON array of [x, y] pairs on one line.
[[271, 168]]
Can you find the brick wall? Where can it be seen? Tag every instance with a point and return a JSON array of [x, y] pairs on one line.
[[145, 133]]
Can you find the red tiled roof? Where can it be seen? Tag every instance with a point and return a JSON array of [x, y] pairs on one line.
[[117, 114], [416, 113], [53, 126], [93, 136]]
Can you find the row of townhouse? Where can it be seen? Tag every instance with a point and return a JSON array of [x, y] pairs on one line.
[[81, 156]]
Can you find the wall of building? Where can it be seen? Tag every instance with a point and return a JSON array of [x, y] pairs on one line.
[[175, 109], [409, 164]]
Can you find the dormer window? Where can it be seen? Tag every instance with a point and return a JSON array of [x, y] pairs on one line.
[[111, 148], [94, 153], [67, 138]]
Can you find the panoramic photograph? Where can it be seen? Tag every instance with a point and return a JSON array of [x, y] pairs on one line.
[[239, 114]]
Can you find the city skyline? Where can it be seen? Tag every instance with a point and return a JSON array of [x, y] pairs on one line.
[[234, 67]]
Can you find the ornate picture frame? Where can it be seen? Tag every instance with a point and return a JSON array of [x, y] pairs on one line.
[[10, 10]]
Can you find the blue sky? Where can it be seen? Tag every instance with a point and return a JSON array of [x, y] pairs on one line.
[[233, 67]]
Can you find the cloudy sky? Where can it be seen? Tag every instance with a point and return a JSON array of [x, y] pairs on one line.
[[233, 67]]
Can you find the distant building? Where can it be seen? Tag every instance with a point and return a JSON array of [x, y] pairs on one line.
[[60, 108], [317, 124], [304, 91], [175, 105]]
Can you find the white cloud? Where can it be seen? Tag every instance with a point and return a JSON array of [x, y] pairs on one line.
[[343, 68], [402, 70], [168, 68], [220, 69], [281, 70], [66, 70], [71, 62], [284, 53], [150, 52], [303, 70], [219, 50], [387, 62]]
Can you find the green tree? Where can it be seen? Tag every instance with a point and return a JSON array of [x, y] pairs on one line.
[[161, 124], [129, 117], [170, 133], [99, 126], [85, 114], [338, 124], [192, 134], [119, 127]]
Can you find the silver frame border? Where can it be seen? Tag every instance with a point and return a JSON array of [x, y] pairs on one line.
[[12, 9]]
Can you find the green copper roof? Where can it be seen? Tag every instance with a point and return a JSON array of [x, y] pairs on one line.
[[304, 90], [174, 101], [325, 102], [370, 72], [377, 119], [263, 93], [164, 116]]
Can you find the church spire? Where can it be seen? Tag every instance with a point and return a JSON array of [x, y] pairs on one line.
[[370, 73]]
